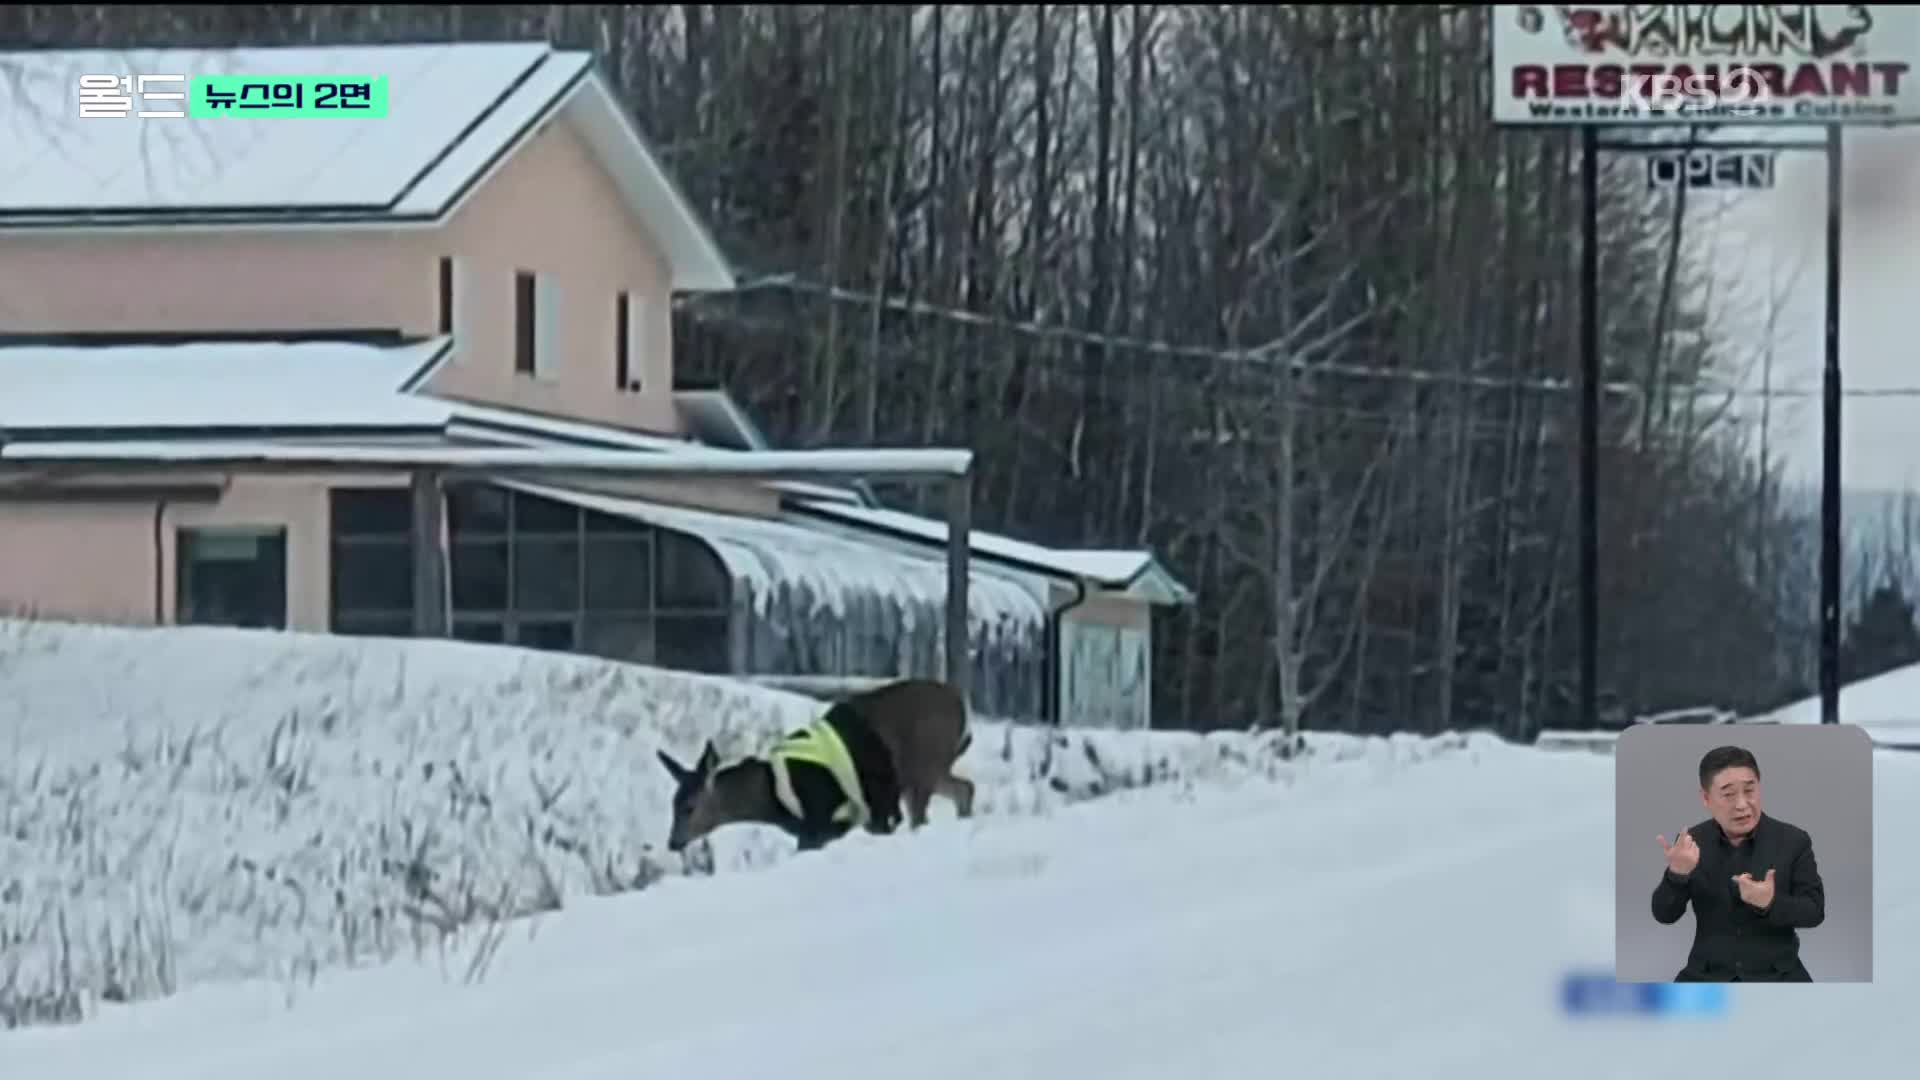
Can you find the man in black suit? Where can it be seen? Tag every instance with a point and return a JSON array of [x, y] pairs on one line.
[[1751, 879]]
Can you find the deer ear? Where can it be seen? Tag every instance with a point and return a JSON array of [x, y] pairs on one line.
[[709, 758], [678, 770]]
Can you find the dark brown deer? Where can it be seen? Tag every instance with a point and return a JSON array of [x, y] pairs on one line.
[[851, 769]]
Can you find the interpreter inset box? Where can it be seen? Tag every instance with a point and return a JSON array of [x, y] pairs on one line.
[[1743, 853]]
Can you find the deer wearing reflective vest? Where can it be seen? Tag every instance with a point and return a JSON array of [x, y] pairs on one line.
[[850, 769]]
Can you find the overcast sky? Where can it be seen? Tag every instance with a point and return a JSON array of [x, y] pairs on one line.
[[1772, 234]]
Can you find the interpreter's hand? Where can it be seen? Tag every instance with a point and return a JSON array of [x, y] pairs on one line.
[[1682, 855], [1758, 893]]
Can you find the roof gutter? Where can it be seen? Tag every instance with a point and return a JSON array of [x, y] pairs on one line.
[[159, 561]]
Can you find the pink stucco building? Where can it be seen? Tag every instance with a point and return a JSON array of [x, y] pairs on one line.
[[494, 263]]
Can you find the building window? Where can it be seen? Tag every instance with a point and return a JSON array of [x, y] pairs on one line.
[[623, 343], [232, 576], [536, 324], [547, 575], [446, 294], [372, 564], [525, 333]]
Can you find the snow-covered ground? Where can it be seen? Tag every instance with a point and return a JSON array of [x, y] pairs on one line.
[[1365, 921], [1389, 909], [185, 805], [1888, 706]]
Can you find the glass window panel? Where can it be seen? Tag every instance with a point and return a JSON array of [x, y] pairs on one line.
[[485, 630], [372, 512], [374, 623], [619, 573], [691, 576], [477, 510], [628, 638], [546, 574], [372, 575], [553, 634], [692, 643], [596, 522], [532, 514], [479, 575], [232, 577]]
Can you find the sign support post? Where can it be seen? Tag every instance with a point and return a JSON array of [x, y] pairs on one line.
[[1830, 536], [1589, 427]]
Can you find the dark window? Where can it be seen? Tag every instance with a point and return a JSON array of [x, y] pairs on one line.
[[372, 561], [374, 624], [619, 573], [546, 574], [546, 517], [523, 330], [232, 577], [477, 510], [547, 633], [597, 523], [480, 578], [622, 358], [491, 631], [691, 642], [690, 576], [372, 512], [619, 637], [446, 294], [372, 573]]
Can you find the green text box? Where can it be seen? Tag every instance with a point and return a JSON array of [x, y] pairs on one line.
[[288, 95]]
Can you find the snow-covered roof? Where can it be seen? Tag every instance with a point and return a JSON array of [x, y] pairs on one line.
[[122, 401], [492, 423], [718, 420], [764, 552], [702, 461], [294, 386], [188, 403], [456, 111], [1135, 572]]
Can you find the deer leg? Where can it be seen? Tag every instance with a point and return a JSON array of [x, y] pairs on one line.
[[960, 790], [917, 800]]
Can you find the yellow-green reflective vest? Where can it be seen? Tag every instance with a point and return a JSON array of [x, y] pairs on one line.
[[818, 744]]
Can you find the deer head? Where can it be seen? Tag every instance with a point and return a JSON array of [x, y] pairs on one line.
[[697, 806]]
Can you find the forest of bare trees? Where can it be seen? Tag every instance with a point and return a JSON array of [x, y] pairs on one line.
[[1258, 286]]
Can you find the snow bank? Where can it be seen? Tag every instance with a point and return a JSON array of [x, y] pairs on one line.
[[1887, 706], [185, 805]]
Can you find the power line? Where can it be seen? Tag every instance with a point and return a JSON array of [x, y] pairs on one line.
[[1052, 331], [1867, 392], [1254, 355]]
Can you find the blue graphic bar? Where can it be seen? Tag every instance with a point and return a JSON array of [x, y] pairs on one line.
[[1587, 994]]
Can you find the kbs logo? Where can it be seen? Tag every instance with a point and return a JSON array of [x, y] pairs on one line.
[[1683, 93]]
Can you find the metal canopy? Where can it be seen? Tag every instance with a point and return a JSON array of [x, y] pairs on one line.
[[32, 464]]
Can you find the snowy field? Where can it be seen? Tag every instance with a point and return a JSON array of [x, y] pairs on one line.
[[1384, 908], [188, 805], [1888, 706]]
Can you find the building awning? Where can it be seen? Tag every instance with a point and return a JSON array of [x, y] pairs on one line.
[[1134, 573], [764, 554]]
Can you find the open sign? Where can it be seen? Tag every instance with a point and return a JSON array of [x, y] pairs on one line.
[[1711, 170]]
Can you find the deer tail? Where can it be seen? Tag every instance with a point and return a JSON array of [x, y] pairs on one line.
[[966, 741]]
